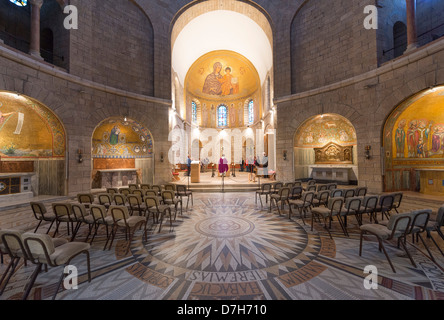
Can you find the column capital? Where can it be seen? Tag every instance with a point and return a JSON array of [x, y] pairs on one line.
[[37, 3]]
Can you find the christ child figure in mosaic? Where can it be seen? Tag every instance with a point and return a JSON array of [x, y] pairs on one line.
[[226, 86]]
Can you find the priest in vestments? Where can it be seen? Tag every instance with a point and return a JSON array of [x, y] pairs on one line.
[[223, 165]]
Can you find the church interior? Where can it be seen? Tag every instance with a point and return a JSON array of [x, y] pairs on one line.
[[221, 150]]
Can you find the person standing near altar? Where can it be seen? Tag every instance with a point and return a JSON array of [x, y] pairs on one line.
[[223, 165], [252, 170], [189, 166], [264, 166]]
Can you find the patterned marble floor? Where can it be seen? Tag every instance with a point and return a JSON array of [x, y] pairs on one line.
[[226, 247]]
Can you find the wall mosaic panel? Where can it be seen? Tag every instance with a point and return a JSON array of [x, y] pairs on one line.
[[28, 129], [323, 129], [116, 138], [415, 130]]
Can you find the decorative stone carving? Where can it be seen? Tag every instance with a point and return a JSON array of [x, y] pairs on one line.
[[334, 153]]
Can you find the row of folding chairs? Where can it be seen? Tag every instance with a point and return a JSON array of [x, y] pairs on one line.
[[41, 250], [95, 214], [180, 191], [305, 201], [400, 225], [397, 226], [268, 189], [144, 186], [341, 208]]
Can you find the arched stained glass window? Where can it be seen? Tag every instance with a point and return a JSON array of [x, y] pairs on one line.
[[194, 112], [20, 3], [251, 112], [222, 116]]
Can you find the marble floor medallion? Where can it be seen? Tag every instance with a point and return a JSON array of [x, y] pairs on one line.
[[221, 251]]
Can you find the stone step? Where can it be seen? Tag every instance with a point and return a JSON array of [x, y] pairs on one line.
[[227, 188]]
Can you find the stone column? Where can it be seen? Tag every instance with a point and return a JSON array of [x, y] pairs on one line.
[[412, 37], [34, 48]]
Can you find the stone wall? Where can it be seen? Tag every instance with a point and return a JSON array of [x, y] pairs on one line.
[[114, 45], [324, 61], [81, 105], [329, 43]]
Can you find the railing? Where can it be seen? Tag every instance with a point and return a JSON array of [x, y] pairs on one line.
[[434, 37], [23, 45]]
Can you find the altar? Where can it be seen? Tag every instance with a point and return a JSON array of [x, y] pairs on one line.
[[333, 162], [15, 186], [431, 181], [114, 178], [337, 173]]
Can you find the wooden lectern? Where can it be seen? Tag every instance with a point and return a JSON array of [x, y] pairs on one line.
[[195, 171]]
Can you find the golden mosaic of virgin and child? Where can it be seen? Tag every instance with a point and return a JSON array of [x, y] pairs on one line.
[[420, 138], [220, 85]]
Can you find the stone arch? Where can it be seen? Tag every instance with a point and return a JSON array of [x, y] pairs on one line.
[[34, 140], [317, 132], [344, 110], [124, 146], [399, 38], [412, 139], [196, 8], [196, 147]]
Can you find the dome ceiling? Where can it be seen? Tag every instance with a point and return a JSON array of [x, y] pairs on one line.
[[223, 75]]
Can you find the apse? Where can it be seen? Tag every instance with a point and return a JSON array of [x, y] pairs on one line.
[[222, 90], [204, 34], [242, 48]]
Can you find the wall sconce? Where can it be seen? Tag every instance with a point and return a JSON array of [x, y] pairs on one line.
[[79, 156], [367, 152], [285, 155], [161, 157]]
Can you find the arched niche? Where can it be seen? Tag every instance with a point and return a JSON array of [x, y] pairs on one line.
[[122, 153], [413, 141], [32, 145], [315, 136], [196, 147]]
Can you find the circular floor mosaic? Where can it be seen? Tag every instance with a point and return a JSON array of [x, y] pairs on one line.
[[221, 251]]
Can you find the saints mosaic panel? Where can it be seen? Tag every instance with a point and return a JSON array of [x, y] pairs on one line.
[[416, 129]]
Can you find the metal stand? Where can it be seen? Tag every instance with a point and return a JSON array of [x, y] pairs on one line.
[[234, 171], [188, 183], [212, 173]]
